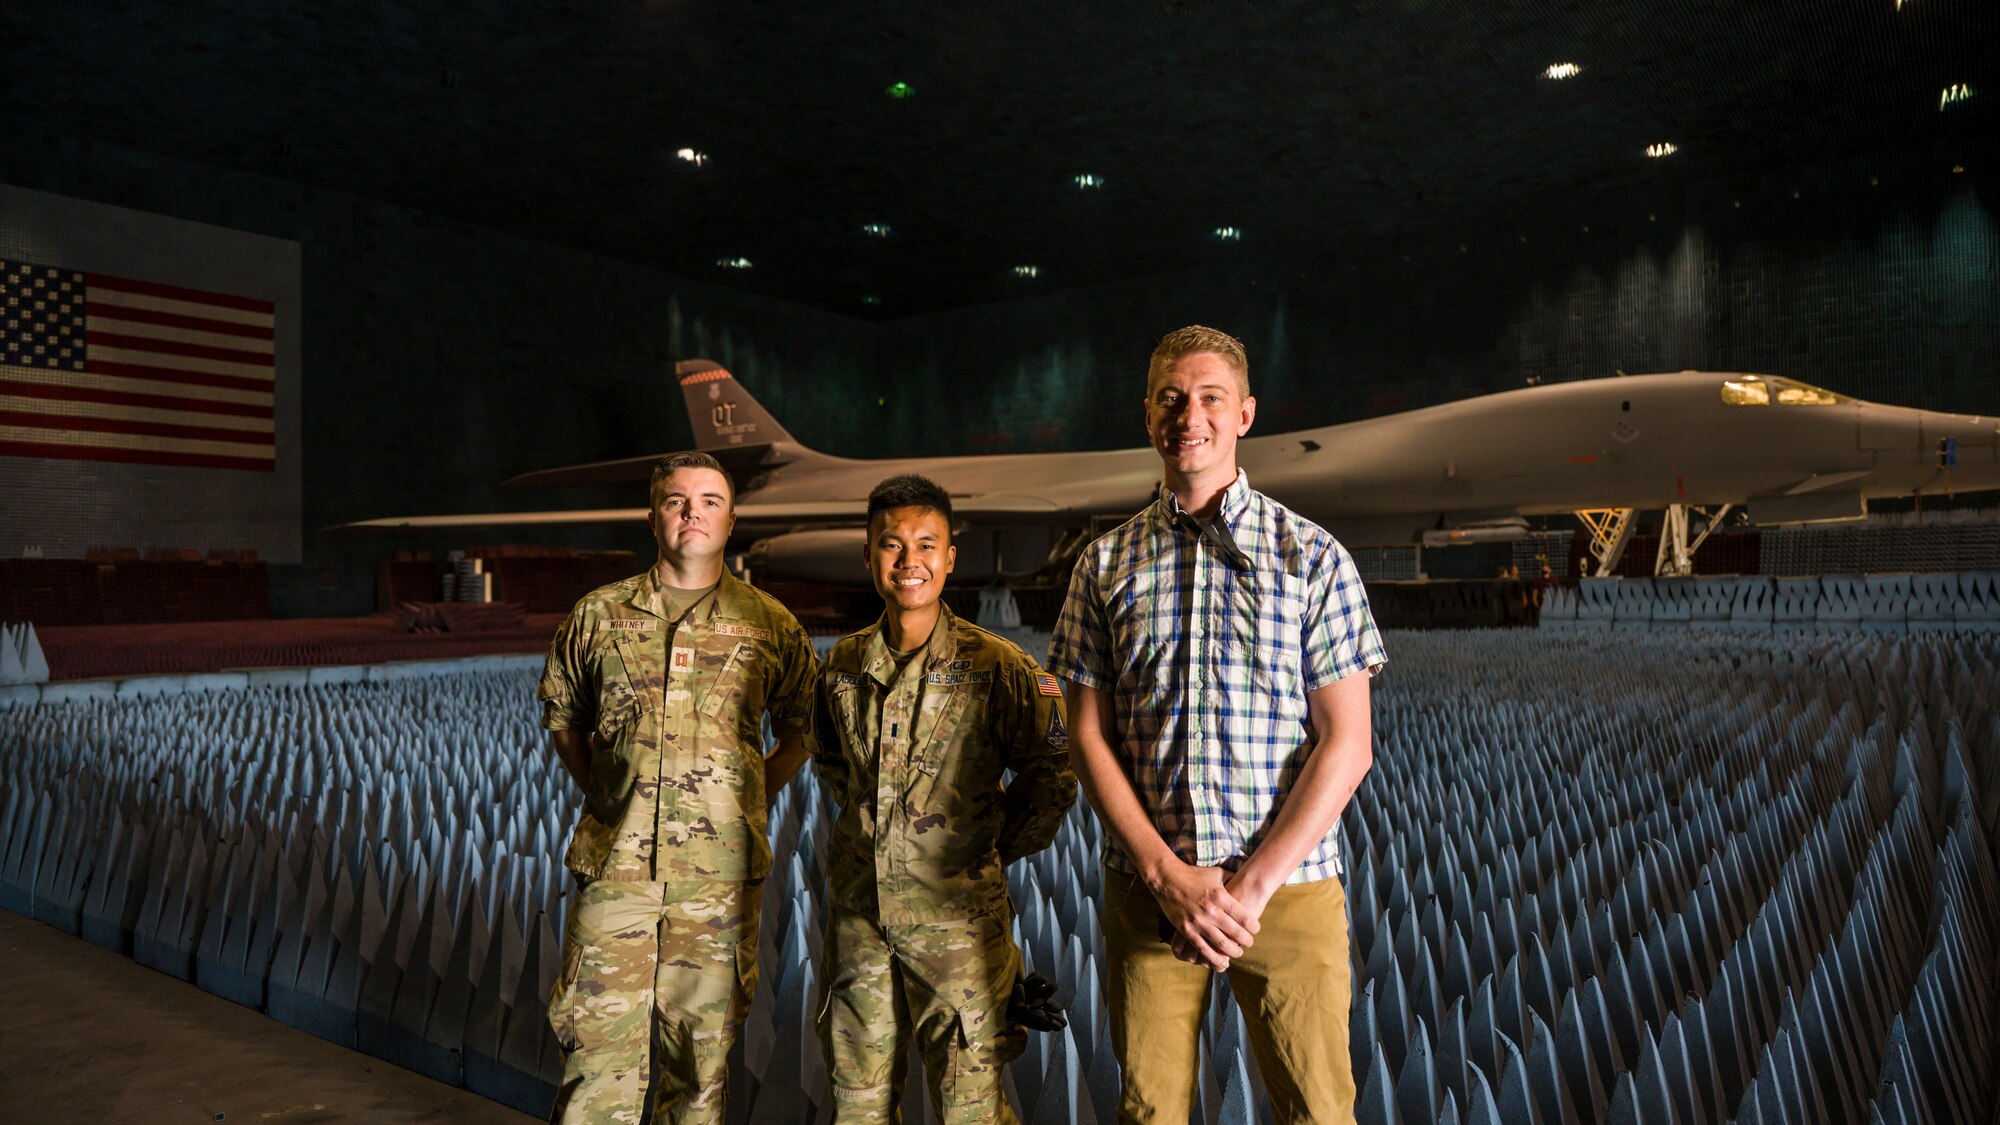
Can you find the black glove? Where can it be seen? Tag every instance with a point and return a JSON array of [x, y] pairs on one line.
[[1033, 1004]]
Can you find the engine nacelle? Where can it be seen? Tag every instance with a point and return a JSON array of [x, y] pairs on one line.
[[823, 555], [833, 555], [1507, 532]]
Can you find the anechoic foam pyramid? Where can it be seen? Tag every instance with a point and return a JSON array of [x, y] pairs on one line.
[[1667, 877]]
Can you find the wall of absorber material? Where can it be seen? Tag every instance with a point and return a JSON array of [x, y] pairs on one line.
[[1960, 602], [1688, 878]]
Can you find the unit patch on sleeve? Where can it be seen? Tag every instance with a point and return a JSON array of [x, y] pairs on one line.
[[1058, 734], [1048, 685]]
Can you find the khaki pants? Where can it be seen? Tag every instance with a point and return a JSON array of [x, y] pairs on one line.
[[656, 982], [1293, 986], [942, 984]]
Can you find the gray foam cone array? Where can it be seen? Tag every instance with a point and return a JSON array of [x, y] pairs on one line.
[[1682, 878], [21, 658]]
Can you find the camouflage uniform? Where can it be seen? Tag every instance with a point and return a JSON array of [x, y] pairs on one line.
[[660, 958], [917, 935]]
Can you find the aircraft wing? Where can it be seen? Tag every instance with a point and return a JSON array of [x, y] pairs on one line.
[[985, 509], [511, 519], [597, 472]]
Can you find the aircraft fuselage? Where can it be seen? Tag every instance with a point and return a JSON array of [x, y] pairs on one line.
[[1644, 441]]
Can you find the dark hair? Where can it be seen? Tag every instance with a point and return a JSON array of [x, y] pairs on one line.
[[674, 462], [908, 490]]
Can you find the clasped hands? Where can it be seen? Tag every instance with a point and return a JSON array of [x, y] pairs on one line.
[[1209, 915]]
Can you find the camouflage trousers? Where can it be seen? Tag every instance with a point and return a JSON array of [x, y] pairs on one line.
[[656, 982], [943, 984]]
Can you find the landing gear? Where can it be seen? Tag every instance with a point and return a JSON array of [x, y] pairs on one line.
[[1611, 532], [1676, 555]]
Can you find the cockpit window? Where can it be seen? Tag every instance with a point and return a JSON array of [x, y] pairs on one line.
[[1747, 391], [1794, 393], [1758, 390]]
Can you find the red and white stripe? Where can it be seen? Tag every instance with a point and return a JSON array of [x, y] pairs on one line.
[[172, 376]]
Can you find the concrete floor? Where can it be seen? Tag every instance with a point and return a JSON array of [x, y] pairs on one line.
[[89, 1036]]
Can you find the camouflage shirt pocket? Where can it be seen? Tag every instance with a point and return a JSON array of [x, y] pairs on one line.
[[731, 693], [954, 739], [618, 699], [619, 706]]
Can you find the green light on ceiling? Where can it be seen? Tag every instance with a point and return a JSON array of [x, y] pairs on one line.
[[871, 299], [900, 90]]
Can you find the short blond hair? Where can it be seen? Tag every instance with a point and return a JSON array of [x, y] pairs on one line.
[[1194, 340], [673, 463]]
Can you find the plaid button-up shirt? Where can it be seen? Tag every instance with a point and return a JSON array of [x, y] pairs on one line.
[[1208, 637]]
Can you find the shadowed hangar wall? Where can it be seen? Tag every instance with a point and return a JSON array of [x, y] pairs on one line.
[[441, 358], [1884, 292]]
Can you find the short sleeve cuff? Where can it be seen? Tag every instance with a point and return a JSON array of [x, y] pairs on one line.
[[1061, 664], [1373, 663], [561, 716]]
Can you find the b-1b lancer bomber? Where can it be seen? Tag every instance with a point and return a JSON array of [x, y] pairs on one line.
[[1698, 445]]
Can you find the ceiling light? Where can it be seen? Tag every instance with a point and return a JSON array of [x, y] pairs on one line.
[[1227, 234], [1027, 271], [871, 299], [693, 156], [1562, 70], [1088, 181], [900, 90], [875, 230], [1953, 94], [1664, 148], [733, 263]]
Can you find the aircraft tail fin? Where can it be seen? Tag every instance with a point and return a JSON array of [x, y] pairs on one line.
[[723, 414]]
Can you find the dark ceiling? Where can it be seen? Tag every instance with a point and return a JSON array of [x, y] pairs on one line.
[[1301, 124]]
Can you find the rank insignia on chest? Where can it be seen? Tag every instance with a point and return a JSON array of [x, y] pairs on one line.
[[632, 625], [1048, 685], [731, 629], [681, 659], [984, 676]]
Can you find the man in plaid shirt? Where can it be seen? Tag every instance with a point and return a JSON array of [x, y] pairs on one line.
[[1219, 729]]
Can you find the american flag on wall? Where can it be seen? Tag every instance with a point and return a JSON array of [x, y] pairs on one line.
[[101, 368]]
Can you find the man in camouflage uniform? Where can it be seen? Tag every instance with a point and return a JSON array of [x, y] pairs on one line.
[[921, 714], [654, 691]]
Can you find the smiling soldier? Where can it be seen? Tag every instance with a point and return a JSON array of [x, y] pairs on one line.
[[922, 715], [654, 693]]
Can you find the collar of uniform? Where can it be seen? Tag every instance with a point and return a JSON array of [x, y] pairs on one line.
[[730, 600], [1225, 530], [880, 665]]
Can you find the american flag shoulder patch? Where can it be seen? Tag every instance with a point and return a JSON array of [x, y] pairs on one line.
[[1047, 684]]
